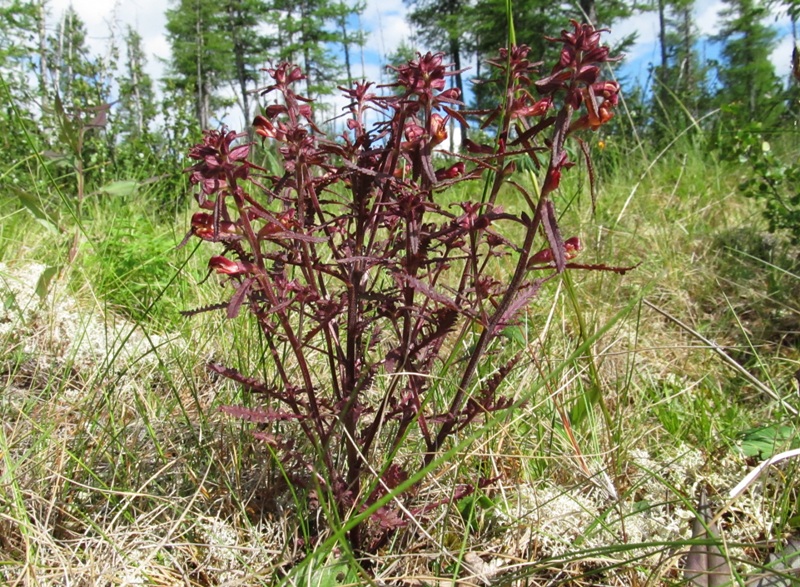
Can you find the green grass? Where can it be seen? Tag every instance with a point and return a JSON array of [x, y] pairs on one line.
[[115, 463]]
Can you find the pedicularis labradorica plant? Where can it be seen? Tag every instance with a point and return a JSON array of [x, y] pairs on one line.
[[369, 291]]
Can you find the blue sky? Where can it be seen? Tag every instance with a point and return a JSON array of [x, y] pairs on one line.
[[385, 22], [646, 51]]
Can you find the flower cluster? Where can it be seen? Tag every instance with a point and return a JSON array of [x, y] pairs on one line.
[[576, 76], [218, 161]]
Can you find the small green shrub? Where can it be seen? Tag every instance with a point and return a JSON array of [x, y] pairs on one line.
[[773, 180]]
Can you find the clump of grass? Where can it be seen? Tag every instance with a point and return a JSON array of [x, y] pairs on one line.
[[131, 270]]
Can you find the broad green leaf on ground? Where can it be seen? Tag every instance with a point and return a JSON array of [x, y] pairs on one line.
[[763, 441]]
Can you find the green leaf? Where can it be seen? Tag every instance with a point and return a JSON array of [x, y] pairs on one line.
[[515, 334], [641, 506], [10, 301], [120, 188], [31, 204], [44, 281], [765, 441]]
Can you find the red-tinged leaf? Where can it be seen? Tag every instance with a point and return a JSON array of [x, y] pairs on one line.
[[550, 225], [534, 130], [278, 307], [364, 170], [369, 261], [428, 292], [209, 308], [443, 323], [394, 476], [457, 116], [100, 118], [486, 398], [389, 519], [238, 298], [251, 384], [427, 168], [602, 267], [706, 565], [270, 439], [524, 297], [474, 147], [259, 416], [298, 236]]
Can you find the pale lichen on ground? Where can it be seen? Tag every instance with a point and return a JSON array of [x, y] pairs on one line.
[[41, 319]]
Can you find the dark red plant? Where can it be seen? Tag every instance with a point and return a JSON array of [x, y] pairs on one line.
[[362, 281]]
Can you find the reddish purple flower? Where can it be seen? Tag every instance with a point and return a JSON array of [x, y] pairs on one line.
[[218, 159], [203, 227], [455, 170], [572, 246], [225, 266]]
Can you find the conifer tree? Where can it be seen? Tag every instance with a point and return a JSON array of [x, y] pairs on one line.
[[136, 95], [680, 77], [308, 33], [201, 54], [242, 25], [79, 78], [349, 37], [18, 42], [747, 76]]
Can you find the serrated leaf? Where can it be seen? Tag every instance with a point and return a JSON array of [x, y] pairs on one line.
[[428, 291], [251, 384], [550, 225], [259, 416]]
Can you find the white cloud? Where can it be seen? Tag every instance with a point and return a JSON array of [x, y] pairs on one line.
[[101, 17], [645, 25], [707, 17], [781, 56], [385, 21]]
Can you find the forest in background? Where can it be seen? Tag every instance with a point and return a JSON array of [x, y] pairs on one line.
[[96, 117]]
